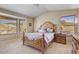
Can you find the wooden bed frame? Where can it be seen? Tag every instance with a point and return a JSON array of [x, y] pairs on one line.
[[39, 44]]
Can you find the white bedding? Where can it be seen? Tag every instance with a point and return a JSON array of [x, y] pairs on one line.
[[34, 36], [48, 37]]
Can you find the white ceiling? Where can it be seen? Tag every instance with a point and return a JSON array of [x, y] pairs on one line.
[[33, 10]]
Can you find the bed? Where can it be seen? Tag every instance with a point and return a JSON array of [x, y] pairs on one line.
[[40, 40]]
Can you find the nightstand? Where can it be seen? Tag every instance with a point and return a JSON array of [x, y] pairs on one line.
[[60, 38]]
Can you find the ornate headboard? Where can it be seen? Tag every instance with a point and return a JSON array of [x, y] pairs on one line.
[[48, 24]]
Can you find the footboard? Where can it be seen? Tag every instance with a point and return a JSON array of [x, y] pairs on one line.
[[38, 44]]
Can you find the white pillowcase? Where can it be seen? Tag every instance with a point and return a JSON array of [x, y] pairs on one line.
[[41, 31]]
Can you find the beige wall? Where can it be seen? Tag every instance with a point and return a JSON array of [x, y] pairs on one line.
[[26, 25], [30, 28], [49, 16], [53, 17]]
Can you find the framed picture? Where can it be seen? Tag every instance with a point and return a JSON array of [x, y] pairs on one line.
[[30, 24]]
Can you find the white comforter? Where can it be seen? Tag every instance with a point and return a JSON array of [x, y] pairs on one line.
[[34, 36], [48, 37]]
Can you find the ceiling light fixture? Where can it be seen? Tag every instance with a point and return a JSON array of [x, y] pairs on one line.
[[36, 4]]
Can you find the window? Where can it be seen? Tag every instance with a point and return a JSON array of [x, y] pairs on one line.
[[68, 23], [68, 19], [7, 26]]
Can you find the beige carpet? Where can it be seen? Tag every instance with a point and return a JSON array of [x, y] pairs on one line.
[[14, 46]]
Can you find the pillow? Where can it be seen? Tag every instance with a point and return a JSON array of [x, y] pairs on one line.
[[49, 30], [41, 30]]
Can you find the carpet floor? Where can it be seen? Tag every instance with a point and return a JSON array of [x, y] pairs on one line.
[[13, 45]]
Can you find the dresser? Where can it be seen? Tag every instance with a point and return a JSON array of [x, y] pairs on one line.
[[75, 43], [60, 38]]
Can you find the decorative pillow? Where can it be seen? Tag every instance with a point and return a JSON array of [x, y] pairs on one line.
[[49, 30]]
